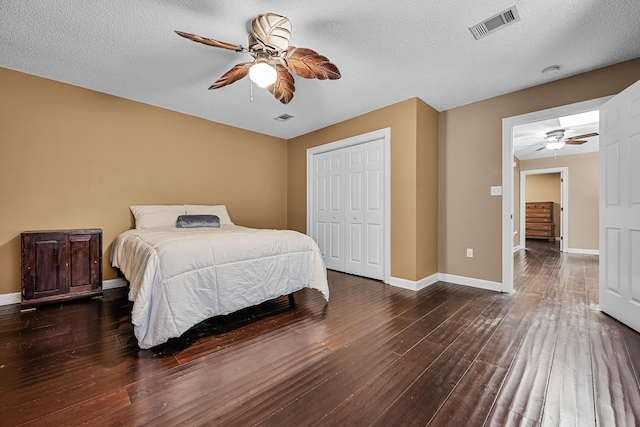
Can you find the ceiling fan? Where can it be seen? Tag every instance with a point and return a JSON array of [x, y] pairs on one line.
[[555, 139], [273, 58]]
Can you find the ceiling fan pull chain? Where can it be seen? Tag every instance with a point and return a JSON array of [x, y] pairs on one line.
[[250, 90]]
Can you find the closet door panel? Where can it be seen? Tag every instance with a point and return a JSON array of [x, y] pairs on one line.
[[329, 209], [354, 170], [373, 168]]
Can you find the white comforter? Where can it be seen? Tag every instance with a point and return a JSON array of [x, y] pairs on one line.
[[180, 277]]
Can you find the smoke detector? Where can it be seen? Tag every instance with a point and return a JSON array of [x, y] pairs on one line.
[[554, 69], [494, 23]]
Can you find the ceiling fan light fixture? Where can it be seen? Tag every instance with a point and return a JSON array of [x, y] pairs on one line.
[[555, 145], [274, 61], [554, 135], [262, 74]]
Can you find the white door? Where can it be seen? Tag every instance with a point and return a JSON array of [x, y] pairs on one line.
[[354, 217], [328, 207], [620, 207], [364, 209], [349, 208], [374, 209]]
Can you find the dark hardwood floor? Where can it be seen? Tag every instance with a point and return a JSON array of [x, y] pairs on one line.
[[375, 355]]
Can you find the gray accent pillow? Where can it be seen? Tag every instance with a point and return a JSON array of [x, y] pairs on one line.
[[196, 221]]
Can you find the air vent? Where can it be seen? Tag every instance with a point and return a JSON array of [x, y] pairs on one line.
[[495, 22], [284, 117]]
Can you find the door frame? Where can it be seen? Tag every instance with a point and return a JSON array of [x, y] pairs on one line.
[[564, 203], [385, 135], [507, 173]]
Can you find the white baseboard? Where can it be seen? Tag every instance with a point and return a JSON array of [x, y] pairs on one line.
[[114, 283], [470, 281], [583, 251], [414, 286], [458, 280], [13, 298], [16, 298]]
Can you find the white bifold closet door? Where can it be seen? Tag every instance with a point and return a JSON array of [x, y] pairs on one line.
[[349, 208]]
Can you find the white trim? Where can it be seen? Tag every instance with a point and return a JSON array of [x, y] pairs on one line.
[[583, 251], [507, 173], [16, 298], [414, 286], [385, 135], [114, 283], [507, 205], [8, 299], [470, 281], [442, 277], [564, 202], [517, 248]]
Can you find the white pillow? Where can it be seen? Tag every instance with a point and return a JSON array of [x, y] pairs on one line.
[[219, 210], [150, 216]]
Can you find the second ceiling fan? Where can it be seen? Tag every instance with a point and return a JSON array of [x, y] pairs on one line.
[[273, 58], [555, 139]]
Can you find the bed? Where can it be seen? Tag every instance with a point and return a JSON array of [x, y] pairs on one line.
[[179, 277]]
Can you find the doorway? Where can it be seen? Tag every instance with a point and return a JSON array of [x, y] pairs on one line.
[[558, 178], [508, 174]]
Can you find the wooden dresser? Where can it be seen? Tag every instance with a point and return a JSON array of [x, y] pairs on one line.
[[539, 221], [60, 265]]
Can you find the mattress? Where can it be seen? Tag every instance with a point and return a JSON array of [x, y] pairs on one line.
[[180, 277]]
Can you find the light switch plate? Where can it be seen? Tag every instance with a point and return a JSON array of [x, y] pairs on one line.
[[496, 190]]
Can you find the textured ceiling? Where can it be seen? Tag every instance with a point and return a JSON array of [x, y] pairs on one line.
[[387, 51]]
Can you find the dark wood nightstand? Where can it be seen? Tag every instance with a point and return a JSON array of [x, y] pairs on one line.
[[60, 265]]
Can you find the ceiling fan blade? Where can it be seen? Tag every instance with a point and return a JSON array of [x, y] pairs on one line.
[[210, 42], [270, 31], [284, 86], [233, 75], [586, 135], [310, 64], [574, 142], [541, 148]]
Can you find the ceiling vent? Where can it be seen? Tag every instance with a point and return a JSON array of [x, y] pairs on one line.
[[284, 117], [494, 23]]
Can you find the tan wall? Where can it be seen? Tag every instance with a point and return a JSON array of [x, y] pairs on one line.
[[543, 187], [583, 195], [427, 191], [546, 188], [471, 162], [406, 146], [74, 158]]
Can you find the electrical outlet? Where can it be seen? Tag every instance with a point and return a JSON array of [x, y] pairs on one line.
[[469, 253]]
